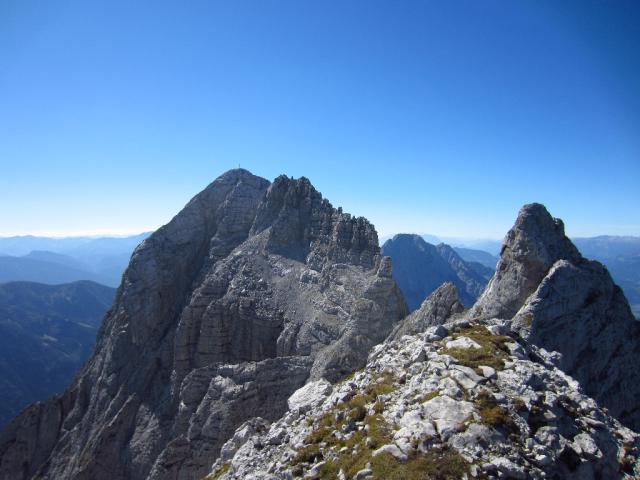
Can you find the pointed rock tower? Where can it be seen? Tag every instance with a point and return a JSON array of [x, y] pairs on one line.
[[252, 289], [561, 301]]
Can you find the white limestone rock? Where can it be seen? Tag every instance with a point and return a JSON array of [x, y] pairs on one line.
[[309, 396], [463, 342]]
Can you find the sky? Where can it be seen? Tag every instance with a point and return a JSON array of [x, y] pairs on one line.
[[439, 117]]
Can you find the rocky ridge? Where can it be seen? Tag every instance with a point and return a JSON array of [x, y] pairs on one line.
[[487, 393], [438, 307], [252, 289], [465, 400], [563, 302]]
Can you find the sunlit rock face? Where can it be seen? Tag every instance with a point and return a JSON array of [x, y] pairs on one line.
[[564, 302], [425, 406]]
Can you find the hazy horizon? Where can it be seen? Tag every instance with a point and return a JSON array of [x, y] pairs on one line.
[[441, 237]]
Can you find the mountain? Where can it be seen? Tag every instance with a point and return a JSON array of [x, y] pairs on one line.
[[608, 246], [251, 290], [56, 258], [76, 247], [560, 301], [420, 268], [41, 268], [62, 260], [621, 255], [482, 270], [484, 393], [478, 256], [444, 303], [626, 272], [260, 334], [46, 333], [23, 244]]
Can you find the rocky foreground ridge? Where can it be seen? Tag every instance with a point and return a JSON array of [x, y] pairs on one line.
[[475, 394], [563, 302], [237, 322], [467, 400]]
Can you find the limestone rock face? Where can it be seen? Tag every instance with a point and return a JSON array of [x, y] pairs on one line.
[[561, 301], [578, 311], [252, 289], [435, 310], [422, 406], [216, 399], [530, 249]]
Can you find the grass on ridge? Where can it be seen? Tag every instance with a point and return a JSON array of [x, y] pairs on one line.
[[492, 352]]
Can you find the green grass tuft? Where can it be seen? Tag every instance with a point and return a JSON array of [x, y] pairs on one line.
[[436, 464], [492, 352], [219, 472], [428, 396], [492, 414]]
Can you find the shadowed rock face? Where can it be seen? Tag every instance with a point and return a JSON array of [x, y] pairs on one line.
[[420, 268], [561, 301], [225, 311]]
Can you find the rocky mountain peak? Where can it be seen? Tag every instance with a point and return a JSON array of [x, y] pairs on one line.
[[530, 248], [536, 234], [437, 308], [305, 226], [420, 268], [563, 302], [251, 290]]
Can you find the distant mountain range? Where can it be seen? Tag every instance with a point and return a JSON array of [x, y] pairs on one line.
[[46, 333], [420, 268], [620, 254], [61, 260], [608, 246], [79, 247], [487, 245], [478, 256], [103, 259]]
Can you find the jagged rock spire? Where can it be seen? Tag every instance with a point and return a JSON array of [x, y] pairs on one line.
[[561, 301], [531, 247]]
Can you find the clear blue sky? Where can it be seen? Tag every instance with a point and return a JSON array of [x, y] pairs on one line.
[[427, 116]]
